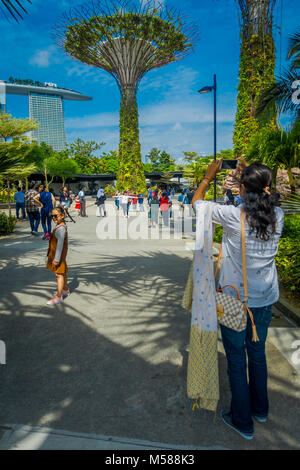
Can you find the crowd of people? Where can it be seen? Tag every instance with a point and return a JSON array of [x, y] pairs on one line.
[[159, 201], [36, 205]]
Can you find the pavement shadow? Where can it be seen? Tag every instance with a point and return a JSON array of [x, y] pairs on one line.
[[112, 359]]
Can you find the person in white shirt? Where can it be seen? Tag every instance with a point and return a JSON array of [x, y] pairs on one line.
[[82, 199], [124, 203], [264, 224]]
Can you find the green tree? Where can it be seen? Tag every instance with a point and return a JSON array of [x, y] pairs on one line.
[[64, 169], [190, 157], [12, 163], [285, 92], [195, 170], [161, 161], [277, 149], [11, 127], [15, 150], [256, 73], [110, 162], [83, 153]]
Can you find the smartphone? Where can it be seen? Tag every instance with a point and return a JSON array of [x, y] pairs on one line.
[[229, 164]]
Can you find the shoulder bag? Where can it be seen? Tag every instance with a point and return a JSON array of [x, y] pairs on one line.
[[231, 311]]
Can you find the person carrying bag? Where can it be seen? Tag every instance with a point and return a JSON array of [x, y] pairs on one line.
[[100, 202], [256, 224]]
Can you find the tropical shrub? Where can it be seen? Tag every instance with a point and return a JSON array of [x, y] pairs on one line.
[[4, 196], [288, 256], [7, 223], [218, 234], [288, 264], [291, 227]]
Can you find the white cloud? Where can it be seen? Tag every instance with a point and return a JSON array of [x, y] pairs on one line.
[[177, 127], [94, 120], [92, 74], [168, 113], [43, 58]]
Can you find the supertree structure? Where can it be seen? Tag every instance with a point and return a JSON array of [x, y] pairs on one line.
[[257, 65], [14, 8], [127, 39]]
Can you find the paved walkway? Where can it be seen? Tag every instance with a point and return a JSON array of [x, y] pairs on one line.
[[108, 367]]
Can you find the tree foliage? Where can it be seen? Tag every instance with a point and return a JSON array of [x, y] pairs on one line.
[[256, 73], [11, 127], [83, 153], [161, 161], [285, 92], [277, 149]]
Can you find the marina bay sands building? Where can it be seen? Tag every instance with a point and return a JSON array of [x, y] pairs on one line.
[[46, 105]]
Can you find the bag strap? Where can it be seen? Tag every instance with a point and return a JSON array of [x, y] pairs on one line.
[[255, 337], [218, 261], [234, 287], [244, 261]]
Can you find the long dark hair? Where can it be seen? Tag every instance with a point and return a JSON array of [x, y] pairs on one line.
[[259, 202]]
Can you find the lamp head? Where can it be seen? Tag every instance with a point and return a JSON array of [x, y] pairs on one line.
[[206, 89]]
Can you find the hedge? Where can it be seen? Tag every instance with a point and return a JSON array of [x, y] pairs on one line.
[[7, 223]]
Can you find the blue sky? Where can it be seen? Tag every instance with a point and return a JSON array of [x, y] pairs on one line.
[[173, 116]]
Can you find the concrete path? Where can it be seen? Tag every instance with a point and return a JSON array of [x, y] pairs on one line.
[[112, 359], [22, 437]]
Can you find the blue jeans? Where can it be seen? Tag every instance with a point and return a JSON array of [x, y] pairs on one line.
[[46, 220], [20, 205], [248, 398], [34, 220]]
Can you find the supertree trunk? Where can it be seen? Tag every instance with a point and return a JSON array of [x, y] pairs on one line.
[[257, 65], [130, 167]]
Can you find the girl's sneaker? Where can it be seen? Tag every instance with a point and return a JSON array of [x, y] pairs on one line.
[[44, 236], [55, 300]]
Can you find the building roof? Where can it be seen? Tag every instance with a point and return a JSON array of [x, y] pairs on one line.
[[16, 89]]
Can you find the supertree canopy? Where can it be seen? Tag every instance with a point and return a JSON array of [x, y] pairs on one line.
[[127, 40], [257, 65]]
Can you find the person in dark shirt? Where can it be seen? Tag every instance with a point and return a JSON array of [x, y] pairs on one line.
[[19, 197], [47, 201]]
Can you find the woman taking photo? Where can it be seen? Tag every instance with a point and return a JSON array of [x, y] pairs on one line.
[[263, 227]]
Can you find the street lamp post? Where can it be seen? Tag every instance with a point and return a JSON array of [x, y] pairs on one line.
[[208, 89]]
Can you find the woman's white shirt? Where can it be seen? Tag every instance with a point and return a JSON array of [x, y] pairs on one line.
[[124, 199], [262, 279]]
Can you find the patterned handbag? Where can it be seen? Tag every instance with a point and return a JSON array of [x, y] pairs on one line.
[[231, 311]]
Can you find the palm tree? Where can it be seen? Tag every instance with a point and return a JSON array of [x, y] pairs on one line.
[[277, 149], [294, 50], [13, 7], [284, 91]]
